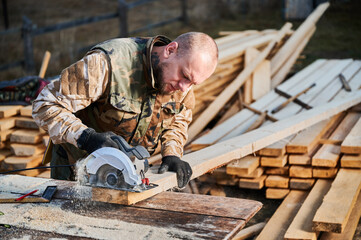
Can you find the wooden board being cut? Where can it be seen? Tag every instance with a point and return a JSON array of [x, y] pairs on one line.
[[219, 154], [301, 226], [282, 218], [333, 214], [352, 143]]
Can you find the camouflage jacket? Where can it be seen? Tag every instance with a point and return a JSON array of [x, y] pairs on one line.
[[113, 89]]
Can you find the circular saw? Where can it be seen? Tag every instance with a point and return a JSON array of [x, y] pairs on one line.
[[121, 169]]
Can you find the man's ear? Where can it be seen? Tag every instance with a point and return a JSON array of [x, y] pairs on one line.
[[171, 48]]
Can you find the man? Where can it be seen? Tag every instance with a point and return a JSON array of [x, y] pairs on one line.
[[137, 88]]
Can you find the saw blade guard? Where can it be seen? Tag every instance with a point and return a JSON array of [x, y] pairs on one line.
[[115, 158]]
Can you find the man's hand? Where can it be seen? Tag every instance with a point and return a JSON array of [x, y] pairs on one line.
[[90, 140], [175, 164]]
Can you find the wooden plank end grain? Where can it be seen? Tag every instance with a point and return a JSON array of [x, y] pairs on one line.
[[333, 214]]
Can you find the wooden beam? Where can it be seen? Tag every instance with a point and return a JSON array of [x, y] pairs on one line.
[[352, 142], [275, 181], [301, 226], [276, 193], [297, 37], [333, 214], [219, 154], [252, 183], [285, 69], [351, 161], [328, 154], [9, 110], [301, 183], [244, 165], [208, 114], [281, 219], [348, 233]]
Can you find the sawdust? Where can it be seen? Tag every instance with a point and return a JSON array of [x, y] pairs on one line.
[[52, 218], [80, 171], [9, 183]]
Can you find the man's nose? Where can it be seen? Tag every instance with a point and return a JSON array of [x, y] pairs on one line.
[[183, 85]]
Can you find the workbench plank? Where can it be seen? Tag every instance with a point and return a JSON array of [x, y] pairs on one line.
[[333, 214], [99, 220]]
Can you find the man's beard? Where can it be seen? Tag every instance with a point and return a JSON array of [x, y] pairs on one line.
[[159, 74]]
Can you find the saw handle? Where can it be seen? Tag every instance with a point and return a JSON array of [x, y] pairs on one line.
[[139, 152]]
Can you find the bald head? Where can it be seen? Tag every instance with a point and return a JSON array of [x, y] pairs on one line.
[[197, 42]]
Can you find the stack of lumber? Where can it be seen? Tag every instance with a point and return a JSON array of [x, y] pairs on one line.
[[331, 210], [22, 142], [251, 63], [316, 152]]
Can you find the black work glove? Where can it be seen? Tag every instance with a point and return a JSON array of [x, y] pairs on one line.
[[90, 140], [175, 164]]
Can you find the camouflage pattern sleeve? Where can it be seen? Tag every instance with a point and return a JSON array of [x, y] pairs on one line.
[[78, 86], [175, 137]]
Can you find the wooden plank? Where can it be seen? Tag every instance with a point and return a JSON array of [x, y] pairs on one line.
[[261, 83], [301, 183], [352, 142], [15, 162], [333, 214], [301, 226], [230, 126], [348, 233], [5, 134], [26, 149], [181, 202], [285, 69], [26, 122], [26, 111], [278, 171], [3, 154], [299, 159], [274, 161], [222, 153], [26, 136], [7, 123], [250, 54], [211, 111], [97, 220], [323, 172], [243, 166], [275, 181], [281, 219], [252, 183], [9, 110], [351, 161], [328, 154], [301, 171], [296, 38], [276, 193], [276, 149], [307, 139], [249, 231], [255, 174]]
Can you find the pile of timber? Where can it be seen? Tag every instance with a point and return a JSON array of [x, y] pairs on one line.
[[22, 142], [251, 63]]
